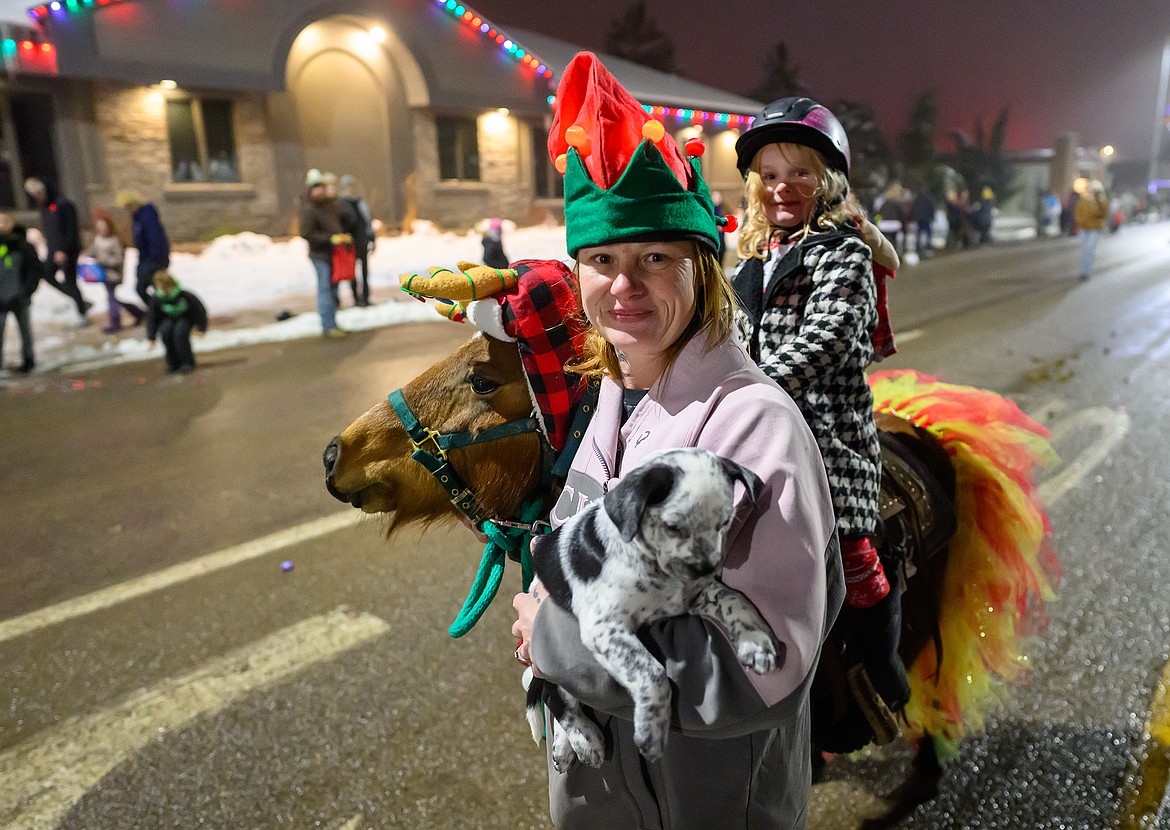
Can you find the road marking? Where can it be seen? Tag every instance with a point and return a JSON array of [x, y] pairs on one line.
[[1112, 428], [1144, 789], [40, 782], [106, 597], [907, 336]]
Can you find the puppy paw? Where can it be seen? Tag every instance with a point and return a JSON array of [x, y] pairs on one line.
[[757, 652], [563, 755], [588, 744], [650, 738]]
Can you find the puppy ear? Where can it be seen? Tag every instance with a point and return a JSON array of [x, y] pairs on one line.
[[738, 472], [644, 487]]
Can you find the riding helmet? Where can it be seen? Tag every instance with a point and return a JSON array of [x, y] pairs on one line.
[[795, 121]]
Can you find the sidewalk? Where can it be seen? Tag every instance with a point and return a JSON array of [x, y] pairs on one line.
[[246, 280]]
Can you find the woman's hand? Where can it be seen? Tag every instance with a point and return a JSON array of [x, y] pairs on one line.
[[526, 606], [479, 534]]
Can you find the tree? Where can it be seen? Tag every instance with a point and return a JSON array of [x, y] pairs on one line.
[[633, 35], [981, 160], [867, 144], [917, 144], [781, 79]]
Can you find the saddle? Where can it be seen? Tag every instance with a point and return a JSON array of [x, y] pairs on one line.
[[916, 499]]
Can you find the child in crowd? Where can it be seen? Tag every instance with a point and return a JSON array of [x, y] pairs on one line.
[[493, 244], [173, 313], [20, 272], [109, 252]]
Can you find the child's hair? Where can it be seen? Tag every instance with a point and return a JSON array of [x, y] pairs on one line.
[[115, 231], [832, 210], [164, 283], [7, 221]]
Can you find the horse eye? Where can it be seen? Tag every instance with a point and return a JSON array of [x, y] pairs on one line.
[[482, 386]]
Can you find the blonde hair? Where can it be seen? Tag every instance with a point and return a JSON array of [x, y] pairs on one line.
[[832, 211], [164, 283], [714, 311], [126, 197]]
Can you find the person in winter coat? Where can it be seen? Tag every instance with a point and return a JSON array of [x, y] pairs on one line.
[[149, 238], [109, 252], [922, 215], [358, 221], [321, 228], [661, 343], [20, 272], [493, 244], [1091, 212], [63, 237], [173, 314], [810, 316]]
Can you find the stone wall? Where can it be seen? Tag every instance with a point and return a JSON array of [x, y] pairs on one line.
[[131, 122], [504, 188]]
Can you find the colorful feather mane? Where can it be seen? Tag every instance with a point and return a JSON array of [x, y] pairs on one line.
[[1001, 567]]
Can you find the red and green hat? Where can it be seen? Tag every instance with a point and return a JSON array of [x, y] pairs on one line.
[[625, 178]]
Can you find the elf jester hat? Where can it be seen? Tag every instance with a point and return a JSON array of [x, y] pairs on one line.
[[625, 179], [533, 304]]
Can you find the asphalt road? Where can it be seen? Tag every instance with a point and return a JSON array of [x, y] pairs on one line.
[[162, 669]]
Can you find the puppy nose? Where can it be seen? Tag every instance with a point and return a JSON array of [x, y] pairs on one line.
[[332, 451]]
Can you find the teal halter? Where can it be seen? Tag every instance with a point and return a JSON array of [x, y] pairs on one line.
[[505, 537]]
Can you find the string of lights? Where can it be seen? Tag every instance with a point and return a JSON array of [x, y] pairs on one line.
[[459, 11]]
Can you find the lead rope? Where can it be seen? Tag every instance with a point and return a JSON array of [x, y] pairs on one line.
[[501, 541], [514, 537]]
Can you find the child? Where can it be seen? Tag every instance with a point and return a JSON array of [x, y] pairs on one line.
[[493, 244], [109, 252], [811, 316], [173, 313], [20, 271]]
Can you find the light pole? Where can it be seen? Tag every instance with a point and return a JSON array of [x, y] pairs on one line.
[[1159, 117]]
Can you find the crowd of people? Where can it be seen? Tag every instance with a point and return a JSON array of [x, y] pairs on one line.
[[909, 218], [339, 227], [335, 220]]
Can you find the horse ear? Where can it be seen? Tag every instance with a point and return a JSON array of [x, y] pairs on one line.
[[738, 472], [644, 487]]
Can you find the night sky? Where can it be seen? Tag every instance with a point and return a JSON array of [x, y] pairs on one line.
[[1061, 65]]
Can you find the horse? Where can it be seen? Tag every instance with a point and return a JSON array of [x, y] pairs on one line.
[[473, 438]]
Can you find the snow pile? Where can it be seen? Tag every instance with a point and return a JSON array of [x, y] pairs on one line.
[[252, 272]]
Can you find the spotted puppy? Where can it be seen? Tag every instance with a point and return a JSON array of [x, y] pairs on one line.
[[648, 550]]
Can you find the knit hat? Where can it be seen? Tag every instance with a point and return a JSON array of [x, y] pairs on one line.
[[532, 304], [625, 179], [127, 197]]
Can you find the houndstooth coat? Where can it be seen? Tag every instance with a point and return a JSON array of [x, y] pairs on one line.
[[807, 316]]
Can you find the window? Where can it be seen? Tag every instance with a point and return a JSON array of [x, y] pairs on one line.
[[547, 182], [203, 146], [458, 148]]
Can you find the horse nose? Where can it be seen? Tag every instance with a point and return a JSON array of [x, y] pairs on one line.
[[330, 459]]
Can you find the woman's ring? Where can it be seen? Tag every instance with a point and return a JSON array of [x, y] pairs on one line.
[[520, 657]]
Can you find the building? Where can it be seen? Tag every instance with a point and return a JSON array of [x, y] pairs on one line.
[[215, 109]]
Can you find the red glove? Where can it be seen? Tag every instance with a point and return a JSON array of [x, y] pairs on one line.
[[865, 578]]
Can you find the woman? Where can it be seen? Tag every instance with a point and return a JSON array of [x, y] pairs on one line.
[[810, 313], [640, 222]]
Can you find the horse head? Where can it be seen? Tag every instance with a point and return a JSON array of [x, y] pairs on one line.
[[473, 434]]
